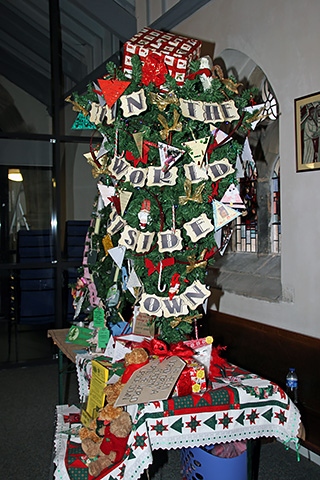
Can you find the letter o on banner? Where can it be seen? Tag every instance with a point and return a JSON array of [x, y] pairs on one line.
[[151, 304]]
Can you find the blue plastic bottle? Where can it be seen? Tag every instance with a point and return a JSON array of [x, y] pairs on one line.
[[292, 385]]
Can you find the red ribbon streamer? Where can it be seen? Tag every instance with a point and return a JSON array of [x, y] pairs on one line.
[[116, 202], [166, 262], [215, 191], [206, 71], [212, 147], [162, 350], [145, 153], [211, 253]]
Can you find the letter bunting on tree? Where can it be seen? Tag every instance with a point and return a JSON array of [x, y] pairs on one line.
[[162, 169]]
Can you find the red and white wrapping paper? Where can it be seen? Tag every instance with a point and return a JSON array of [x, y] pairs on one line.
[[175, 51], [202, 350]]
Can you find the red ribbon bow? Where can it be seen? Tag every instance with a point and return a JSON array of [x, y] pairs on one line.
[[166, 262], [162, 350], [154, 69]]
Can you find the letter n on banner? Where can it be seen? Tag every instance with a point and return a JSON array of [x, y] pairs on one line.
[[195, 295], [133, 104]]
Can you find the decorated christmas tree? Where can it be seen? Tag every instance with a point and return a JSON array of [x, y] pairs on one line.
[[168, 129]]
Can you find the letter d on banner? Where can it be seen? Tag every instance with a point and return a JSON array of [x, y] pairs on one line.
[[169, 241]]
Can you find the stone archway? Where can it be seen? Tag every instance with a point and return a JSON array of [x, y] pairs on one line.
[[264, 140]]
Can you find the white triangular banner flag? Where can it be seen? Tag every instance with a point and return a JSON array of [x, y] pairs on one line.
[[197, 149], [133, 282], [138, 138], [246, 153], [106, 192], [119, 352], [218, 237], [109, 348], [124, 200], [239, 167], [220, 136], [168, 155], [117, 255], [232, 197], [222, 214], [102, 150]]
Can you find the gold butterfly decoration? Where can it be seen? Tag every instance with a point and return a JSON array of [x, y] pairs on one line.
[[189, 197], [162, 101], [76, 106]]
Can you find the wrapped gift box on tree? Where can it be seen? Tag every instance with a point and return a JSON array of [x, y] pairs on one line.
[[161, 53]]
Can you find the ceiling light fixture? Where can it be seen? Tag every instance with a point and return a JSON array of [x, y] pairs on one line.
[[15, 175]]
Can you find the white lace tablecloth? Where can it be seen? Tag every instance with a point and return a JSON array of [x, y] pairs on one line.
[[241, 407]]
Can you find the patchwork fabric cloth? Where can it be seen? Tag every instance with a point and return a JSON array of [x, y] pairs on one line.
[[241, 406]]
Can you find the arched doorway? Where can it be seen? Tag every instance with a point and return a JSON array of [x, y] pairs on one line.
[[255, 231]]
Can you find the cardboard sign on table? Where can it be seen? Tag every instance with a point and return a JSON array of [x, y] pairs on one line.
[[155, 381]]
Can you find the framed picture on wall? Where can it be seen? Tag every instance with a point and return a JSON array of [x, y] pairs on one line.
[[307, 127]]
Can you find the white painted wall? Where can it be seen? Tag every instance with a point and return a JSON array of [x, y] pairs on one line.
[[282, 38], [147, 11]]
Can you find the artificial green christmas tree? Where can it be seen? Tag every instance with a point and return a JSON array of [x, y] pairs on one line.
[[166, 155]]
